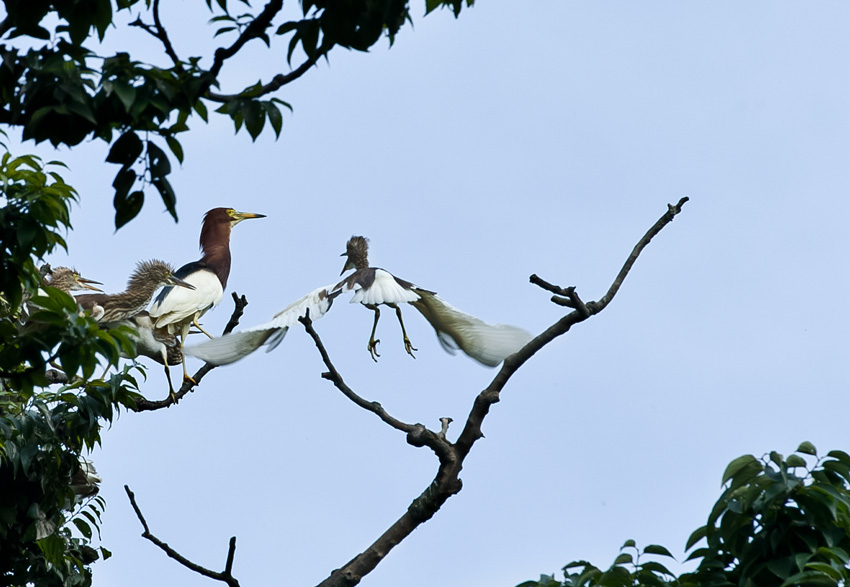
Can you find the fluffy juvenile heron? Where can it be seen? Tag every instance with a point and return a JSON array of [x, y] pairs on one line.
[[65, 279], [148, 277], [489, 344], [178, 308], [68, 279]]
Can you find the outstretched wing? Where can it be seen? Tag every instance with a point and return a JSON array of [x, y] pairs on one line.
[[489, 344], [238, 345]]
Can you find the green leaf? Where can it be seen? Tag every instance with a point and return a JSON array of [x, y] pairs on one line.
[[128, 208], [175, 147], [657, 549], [741, 464], [126, 149], [795, 461], [624, 558], [808, 448], [83, 527]]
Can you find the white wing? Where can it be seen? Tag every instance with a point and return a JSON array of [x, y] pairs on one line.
[[238, 345], [489, 344], [175, 304]]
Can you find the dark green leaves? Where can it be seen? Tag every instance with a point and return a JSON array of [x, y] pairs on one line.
[[254, 113], [780, 521], [36, 212]]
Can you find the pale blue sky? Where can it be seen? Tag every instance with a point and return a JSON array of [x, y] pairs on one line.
[[541, 137]]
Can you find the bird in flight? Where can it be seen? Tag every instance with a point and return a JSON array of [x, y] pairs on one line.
[[489, 344]]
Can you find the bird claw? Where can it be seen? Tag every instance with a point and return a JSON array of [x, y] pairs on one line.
[[409, 348], [173, 396], [373, 349], [188, 378]]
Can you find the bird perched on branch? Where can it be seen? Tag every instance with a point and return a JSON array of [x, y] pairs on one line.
[[68, 279], [178, 308], [155, 343], [65, 279], [128, 309], [148, 277], [488, 344]]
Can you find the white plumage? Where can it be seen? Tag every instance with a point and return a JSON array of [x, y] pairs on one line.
[[384, 290], [182, 304], [489, 344]]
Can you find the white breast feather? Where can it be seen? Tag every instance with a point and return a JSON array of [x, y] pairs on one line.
[[384, 290], [182, 303]]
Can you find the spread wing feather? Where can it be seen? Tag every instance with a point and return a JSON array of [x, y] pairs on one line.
[[489, 344], [238, 345]]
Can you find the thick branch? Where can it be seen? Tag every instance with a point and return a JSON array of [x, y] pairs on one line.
[[224, 576], [447, 481], [278, 81], [417, 434], [145, 405]]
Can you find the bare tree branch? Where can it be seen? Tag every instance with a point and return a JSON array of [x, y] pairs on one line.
[[224, 576], [145, 405], [159, 32], [417, 434], [254, 30], [278, 81], [447, 481]]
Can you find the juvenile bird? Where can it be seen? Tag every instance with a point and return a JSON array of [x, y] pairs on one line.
[[488, 344], [148, 277], [68, 279], [177, 308], [155, 343]]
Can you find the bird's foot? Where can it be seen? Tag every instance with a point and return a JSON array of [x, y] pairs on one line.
[[373, 348], [409, 347], [188, 378], [173, 396]]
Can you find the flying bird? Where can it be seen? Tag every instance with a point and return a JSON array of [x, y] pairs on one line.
[[489, 344], [179, 308]]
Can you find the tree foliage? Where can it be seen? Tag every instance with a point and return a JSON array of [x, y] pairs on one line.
[[779, 521], [56, 88], [46, 526]]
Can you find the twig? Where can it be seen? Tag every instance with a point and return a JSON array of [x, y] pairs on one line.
[[447, 482], [224, 576], [252, 31], [146, 405], [159, 32]]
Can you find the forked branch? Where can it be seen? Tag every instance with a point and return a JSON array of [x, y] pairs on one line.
[[145, 405], [447, 481], [225, 576]]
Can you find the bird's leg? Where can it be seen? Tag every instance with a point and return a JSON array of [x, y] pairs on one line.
[[171, 393], [373, 343], [185, 332], [198, 326], [407, 346]]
